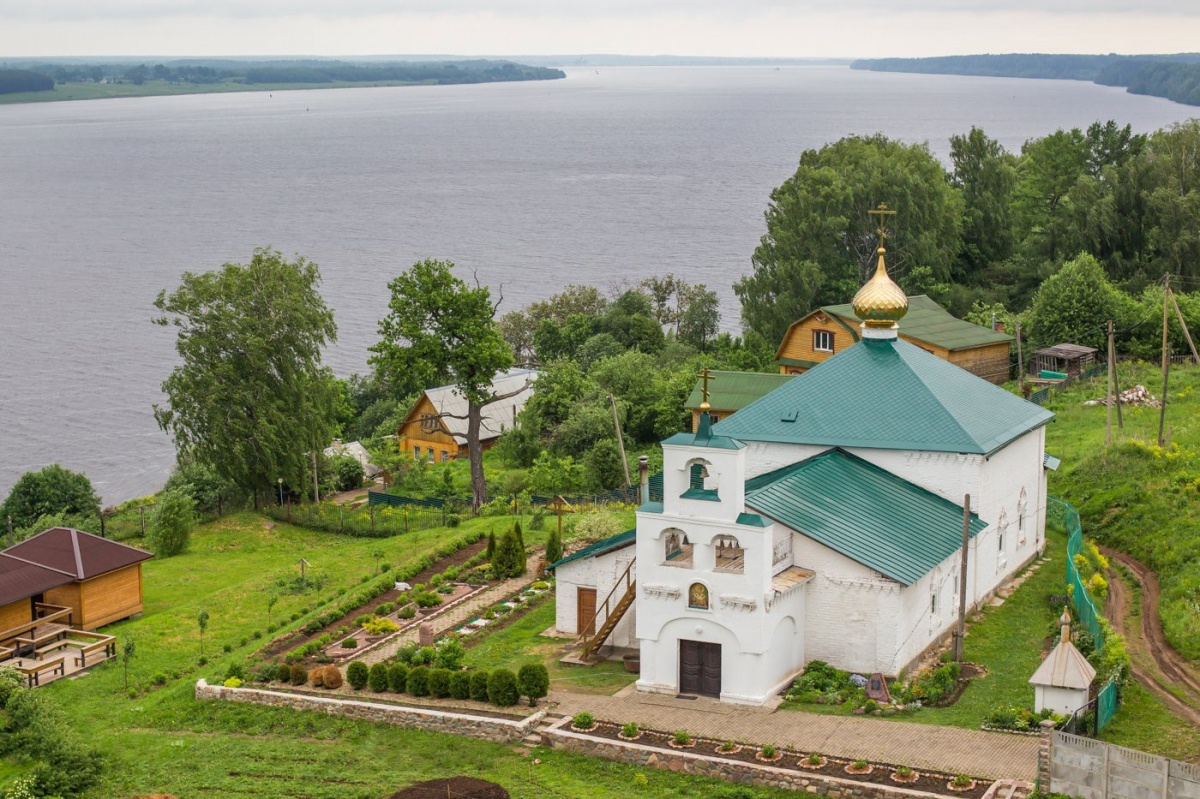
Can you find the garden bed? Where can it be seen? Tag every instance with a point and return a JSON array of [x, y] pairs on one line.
[[880, 773], [367, 641], [515, 713], [520, 604]]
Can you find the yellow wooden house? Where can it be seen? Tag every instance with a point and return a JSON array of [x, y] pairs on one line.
[[435, 429], [826, 331]]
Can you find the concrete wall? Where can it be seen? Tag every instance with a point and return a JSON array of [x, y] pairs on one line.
[[1089, 769], [486, 728]]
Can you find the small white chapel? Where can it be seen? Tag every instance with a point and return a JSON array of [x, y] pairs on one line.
[[823, 521]]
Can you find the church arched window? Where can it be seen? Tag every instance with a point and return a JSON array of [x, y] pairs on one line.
[[698, 596], [677, 550], [730, 557]]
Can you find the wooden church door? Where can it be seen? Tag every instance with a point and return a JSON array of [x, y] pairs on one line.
[[699, 668]]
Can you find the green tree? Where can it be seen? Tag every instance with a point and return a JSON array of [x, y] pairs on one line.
[[1049, 167], [438, 328], [509, 558], [1074, 305], [820, 242], [700, 319], [202, 623], [554, 547], [987, 176], [551, 476], [534, 681], [128, 651], [250, 399], [172, 523], [48, 491]]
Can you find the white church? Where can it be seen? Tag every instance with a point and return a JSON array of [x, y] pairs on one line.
[[823, 521]]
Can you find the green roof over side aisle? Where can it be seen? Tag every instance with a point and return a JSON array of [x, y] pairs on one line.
[[888, 394], [732, 391], [599, 548], [930, 322], [864, 512]]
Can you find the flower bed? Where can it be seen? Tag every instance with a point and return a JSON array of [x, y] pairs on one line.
[[364, 639], [502, 613], [878, 774]]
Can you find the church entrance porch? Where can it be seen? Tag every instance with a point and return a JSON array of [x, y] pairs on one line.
[[700, 668]]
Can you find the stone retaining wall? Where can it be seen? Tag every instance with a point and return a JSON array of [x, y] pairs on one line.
[[720, 768], [484, 727]]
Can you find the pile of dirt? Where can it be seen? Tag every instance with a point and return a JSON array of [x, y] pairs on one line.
[[454, 788]]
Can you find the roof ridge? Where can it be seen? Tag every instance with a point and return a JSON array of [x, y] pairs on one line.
[[29, 562], [78, 556]]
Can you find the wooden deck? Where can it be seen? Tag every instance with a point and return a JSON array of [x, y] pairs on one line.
[[50, 651]]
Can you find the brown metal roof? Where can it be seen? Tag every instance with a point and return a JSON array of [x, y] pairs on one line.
[[80, 554], [20, 579]]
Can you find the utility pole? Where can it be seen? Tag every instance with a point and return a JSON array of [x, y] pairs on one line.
[[1020, 362], [1186, 333], [1166, 362], [961, 630], [1108, 416], [1112, 359], [620, 441]]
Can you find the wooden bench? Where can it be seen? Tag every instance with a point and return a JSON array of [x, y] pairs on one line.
[[33, 672], [6, 652], [109, 648], [62, 643]]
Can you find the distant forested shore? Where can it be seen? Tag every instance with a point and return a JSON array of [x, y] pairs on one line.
[[32, 81], [1175, 77]]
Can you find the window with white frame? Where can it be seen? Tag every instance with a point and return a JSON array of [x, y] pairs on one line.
[[823, 340]]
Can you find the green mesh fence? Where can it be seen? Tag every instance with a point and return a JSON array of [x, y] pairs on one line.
[[1109, 698]]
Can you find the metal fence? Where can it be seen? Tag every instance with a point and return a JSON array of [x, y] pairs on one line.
[[1043, 394], [1108, 699], [617, 496]]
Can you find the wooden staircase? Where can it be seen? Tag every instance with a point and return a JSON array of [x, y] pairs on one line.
[[613, 609]]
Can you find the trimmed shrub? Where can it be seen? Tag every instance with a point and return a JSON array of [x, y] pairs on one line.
[[450, 655], [583, 721], [350, 643], [439, 683], [377, 678], [418, 681], [397, 677], [317, 678], [299, 675], [332, 677], [407, 612], [502, 688], [357, 675], [460, 685], [534, 682], [479, 684]]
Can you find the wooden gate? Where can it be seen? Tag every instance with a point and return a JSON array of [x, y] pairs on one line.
[[699, 668]]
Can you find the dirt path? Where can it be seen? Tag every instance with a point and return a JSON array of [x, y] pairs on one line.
[[1153, 662]]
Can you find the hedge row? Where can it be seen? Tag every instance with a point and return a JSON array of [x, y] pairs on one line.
[[498, 687]]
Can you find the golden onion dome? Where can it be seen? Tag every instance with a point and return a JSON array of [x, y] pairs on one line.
[[880, 303]]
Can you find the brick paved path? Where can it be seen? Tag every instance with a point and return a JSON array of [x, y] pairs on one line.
[[921, 746], [455, 617]]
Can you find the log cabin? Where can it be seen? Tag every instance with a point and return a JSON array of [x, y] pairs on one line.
[[827, 331], [436, 427], [101, 580]]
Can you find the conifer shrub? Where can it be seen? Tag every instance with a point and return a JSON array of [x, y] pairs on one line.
[[534, 682], [418, 681], [397, 677], [407, 612], [299, 675], [377, 678], [439, 683], [502, 688], [317, 678], [450, 655], [479, 685], [332, 678], [460, 684], [357, 674]]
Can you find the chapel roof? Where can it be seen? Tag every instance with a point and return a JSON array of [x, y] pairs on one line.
[[1064, 667], [888, 394], [864, 512]]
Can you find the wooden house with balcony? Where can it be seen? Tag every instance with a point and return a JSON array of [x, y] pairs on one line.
[[435, 429]]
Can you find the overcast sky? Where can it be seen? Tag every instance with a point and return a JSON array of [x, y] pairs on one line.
[[795, 28]]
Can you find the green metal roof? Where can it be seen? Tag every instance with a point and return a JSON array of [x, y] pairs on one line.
[[930, 322], [864, 512], [599, 548], [732, 391], [704, 437], [888, 394]]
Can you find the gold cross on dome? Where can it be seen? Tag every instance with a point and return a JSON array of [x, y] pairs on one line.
[[883, 213], [705, 375]]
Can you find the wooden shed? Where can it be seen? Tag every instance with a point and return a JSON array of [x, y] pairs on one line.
[[827, 331], [1062, 359], [102, 579], [21, 585]]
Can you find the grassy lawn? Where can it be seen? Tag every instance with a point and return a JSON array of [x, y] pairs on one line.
[[521, 642], [162, 740]]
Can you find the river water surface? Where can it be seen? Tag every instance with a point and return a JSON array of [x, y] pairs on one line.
[[604, 178]]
